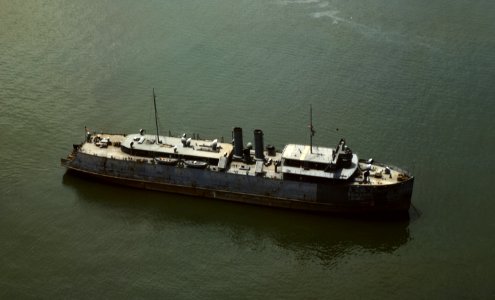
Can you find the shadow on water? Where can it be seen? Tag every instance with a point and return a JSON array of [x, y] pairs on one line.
[[306, 235]]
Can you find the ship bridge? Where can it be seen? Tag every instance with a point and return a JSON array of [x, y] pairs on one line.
[[300, 161]]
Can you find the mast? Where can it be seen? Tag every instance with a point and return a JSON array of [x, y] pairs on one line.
[[311, 129], [156, 118]]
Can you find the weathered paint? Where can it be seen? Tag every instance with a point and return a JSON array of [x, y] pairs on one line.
[[319, 197]]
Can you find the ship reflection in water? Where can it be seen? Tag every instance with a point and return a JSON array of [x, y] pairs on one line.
[[307, 236]]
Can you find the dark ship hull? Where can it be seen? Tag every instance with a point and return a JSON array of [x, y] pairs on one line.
[[323, 197]]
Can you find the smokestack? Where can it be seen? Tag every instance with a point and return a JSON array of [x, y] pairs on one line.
[[238, 144], [258, 144]]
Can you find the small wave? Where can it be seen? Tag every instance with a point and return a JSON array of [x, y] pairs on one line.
[[332, 14], [371, 31], [366, 30], [323, 4]]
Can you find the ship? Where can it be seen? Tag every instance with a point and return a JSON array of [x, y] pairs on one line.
[[298, 176]]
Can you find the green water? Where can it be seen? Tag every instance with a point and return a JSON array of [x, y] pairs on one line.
[[406, 82]]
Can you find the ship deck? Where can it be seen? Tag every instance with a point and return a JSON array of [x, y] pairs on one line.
[[200, 149], [271, 170], [173, 146], [378, 174], [111, 151]]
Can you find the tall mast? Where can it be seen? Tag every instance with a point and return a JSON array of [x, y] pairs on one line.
[[156, 118], [311, 129]]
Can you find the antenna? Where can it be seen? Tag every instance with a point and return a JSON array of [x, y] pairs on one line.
[[311, 129], [156, 118]]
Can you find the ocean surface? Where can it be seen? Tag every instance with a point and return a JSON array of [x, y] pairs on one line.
[[406, 82]]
